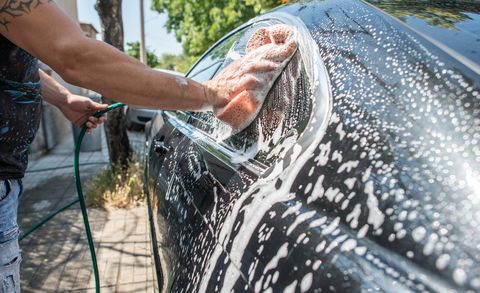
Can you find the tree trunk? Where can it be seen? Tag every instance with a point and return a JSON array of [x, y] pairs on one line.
[[110, 12]]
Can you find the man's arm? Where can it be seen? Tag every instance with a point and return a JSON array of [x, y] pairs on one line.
[[77, 109], [41, 28]]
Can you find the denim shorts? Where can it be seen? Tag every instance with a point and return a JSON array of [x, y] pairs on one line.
[[10, 259]]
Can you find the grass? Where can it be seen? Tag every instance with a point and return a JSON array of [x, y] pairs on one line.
[[113, 190]]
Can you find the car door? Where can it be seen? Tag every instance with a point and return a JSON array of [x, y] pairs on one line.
[[217, 167], [352, 208], [179, 185], [201, 168], [216, 173]]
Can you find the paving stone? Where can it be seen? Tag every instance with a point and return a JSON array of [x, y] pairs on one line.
[[56, 257]]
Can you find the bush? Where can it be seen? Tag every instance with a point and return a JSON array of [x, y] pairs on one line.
[[113, 190]]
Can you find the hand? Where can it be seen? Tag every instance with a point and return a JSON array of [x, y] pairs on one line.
[[79, 110], [238, 91]]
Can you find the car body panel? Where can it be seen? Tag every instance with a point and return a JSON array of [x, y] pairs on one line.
[[452, 25], [139, 116], [377, 190]]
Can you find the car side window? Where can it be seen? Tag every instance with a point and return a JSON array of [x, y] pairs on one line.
[[206, 68], [283, 116]]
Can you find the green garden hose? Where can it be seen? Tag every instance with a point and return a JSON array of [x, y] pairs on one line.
[[80, 199]]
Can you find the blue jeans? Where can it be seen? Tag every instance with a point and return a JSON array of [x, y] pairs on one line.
[[10, 259]]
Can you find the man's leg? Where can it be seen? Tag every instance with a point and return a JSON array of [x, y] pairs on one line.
[[9, 249]]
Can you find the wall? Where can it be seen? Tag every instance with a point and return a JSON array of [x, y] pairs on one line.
[[70, 7], [54, 127]]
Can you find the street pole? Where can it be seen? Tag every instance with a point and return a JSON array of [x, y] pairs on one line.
[[143, 51]]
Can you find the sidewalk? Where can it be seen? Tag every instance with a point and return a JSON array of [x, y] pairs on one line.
[[56, 257]]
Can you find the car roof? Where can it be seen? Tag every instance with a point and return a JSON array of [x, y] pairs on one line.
[[454, 26]]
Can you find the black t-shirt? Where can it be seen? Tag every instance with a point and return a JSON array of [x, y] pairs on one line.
[[20, 108]]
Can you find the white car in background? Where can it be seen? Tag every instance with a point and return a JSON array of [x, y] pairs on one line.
[[137, 117]]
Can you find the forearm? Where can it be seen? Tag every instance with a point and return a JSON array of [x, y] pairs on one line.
[[51, 36], [102, 68], [52, 91]]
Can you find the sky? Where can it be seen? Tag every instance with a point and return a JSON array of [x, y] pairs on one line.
[[156, 36]]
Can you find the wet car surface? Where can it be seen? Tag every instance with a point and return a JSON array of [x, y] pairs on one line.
[[360, 173]]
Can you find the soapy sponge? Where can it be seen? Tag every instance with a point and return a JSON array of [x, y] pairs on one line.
[[268, 51]]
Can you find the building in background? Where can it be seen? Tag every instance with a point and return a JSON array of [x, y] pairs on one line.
[[89, 30], [54, 127], [70, 7]]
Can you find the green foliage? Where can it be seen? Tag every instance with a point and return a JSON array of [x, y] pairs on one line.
[[133, 49], [199, 23], [116, 190], [180, 63]]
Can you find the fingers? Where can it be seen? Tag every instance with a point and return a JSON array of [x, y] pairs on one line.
[[81, 120], [90, 127], [93, 122], [94, 106], [260, 67], [247, 83], [98, 107]]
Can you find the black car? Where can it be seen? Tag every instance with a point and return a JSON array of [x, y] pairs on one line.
[[361, 172]]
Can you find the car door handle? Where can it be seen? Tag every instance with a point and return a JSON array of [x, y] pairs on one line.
[[160, 147]]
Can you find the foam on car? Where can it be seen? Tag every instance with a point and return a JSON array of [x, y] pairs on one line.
[[288, 150]]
